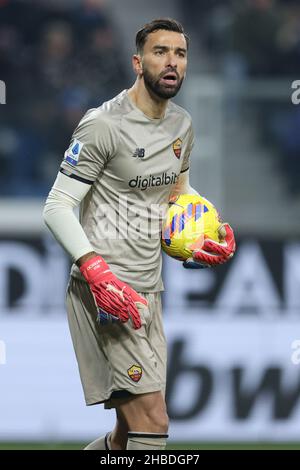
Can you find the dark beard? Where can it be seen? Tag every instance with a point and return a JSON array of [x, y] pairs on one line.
[[152, 84]]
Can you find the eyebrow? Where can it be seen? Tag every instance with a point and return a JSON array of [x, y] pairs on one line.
[[166, 48]]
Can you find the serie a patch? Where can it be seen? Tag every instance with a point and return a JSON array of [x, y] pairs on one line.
[[135, 372], [73, 152]]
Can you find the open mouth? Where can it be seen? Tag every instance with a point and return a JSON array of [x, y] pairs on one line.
[[170, 78]]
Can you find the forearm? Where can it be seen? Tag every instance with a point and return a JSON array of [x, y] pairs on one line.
[[60, 218], [183, 186], [190, 190]]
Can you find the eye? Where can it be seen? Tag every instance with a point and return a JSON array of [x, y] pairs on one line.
[[160, 52]]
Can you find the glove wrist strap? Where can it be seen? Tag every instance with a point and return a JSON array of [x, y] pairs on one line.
[[94, 267]]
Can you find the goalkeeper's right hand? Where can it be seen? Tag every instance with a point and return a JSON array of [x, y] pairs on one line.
[[112, 296]]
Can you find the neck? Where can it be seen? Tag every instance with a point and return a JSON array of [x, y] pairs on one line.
[[151, 105]]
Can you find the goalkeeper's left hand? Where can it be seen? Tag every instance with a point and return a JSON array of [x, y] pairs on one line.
[[213, 253]]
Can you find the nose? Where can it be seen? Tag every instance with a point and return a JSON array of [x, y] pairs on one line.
[[172, 60]]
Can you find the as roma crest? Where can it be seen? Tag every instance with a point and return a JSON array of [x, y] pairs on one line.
[[177, 147], [135, 372]]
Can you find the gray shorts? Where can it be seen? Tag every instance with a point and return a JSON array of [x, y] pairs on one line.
[[115, 360]]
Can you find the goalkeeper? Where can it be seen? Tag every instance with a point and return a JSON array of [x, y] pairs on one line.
[[113, 296]]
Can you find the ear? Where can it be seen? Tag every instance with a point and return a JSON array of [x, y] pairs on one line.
[[137, 64]]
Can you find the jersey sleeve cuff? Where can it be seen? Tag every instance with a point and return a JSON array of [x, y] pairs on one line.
[[74, 176], [186, 169]]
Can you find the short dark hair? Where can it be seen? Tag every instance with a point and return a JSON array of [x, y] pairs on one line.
[[167, 24]]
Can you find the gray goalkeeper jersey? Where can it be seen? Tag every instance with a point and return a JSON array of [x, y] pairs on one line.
[[132, 163]]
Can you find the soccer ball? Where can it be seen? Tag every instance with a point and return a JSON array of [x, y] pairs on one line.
[[190, 218]]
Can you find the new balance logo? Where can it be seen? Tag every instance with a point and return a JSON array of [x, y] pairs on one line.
[[139, 152]]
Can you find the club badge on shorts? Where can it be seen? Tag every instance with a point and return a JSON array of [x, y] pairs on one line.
[[135, 373], [177, 147]]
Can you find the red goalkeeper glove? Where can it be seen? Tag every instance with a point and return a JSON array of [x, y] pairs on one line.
[[114, 299], [212, 253]]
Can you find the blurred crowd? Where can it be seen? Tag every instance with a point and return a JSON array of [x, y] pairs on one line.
[[255, 39], [250, 38], [57, 60]]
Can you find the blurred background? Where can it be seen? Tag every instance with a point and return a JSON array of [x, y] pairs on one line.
[[233, 332]]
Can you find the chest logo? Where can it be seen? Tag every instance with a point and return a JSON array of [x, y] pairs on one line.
[[177, 147], [139, 152]]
